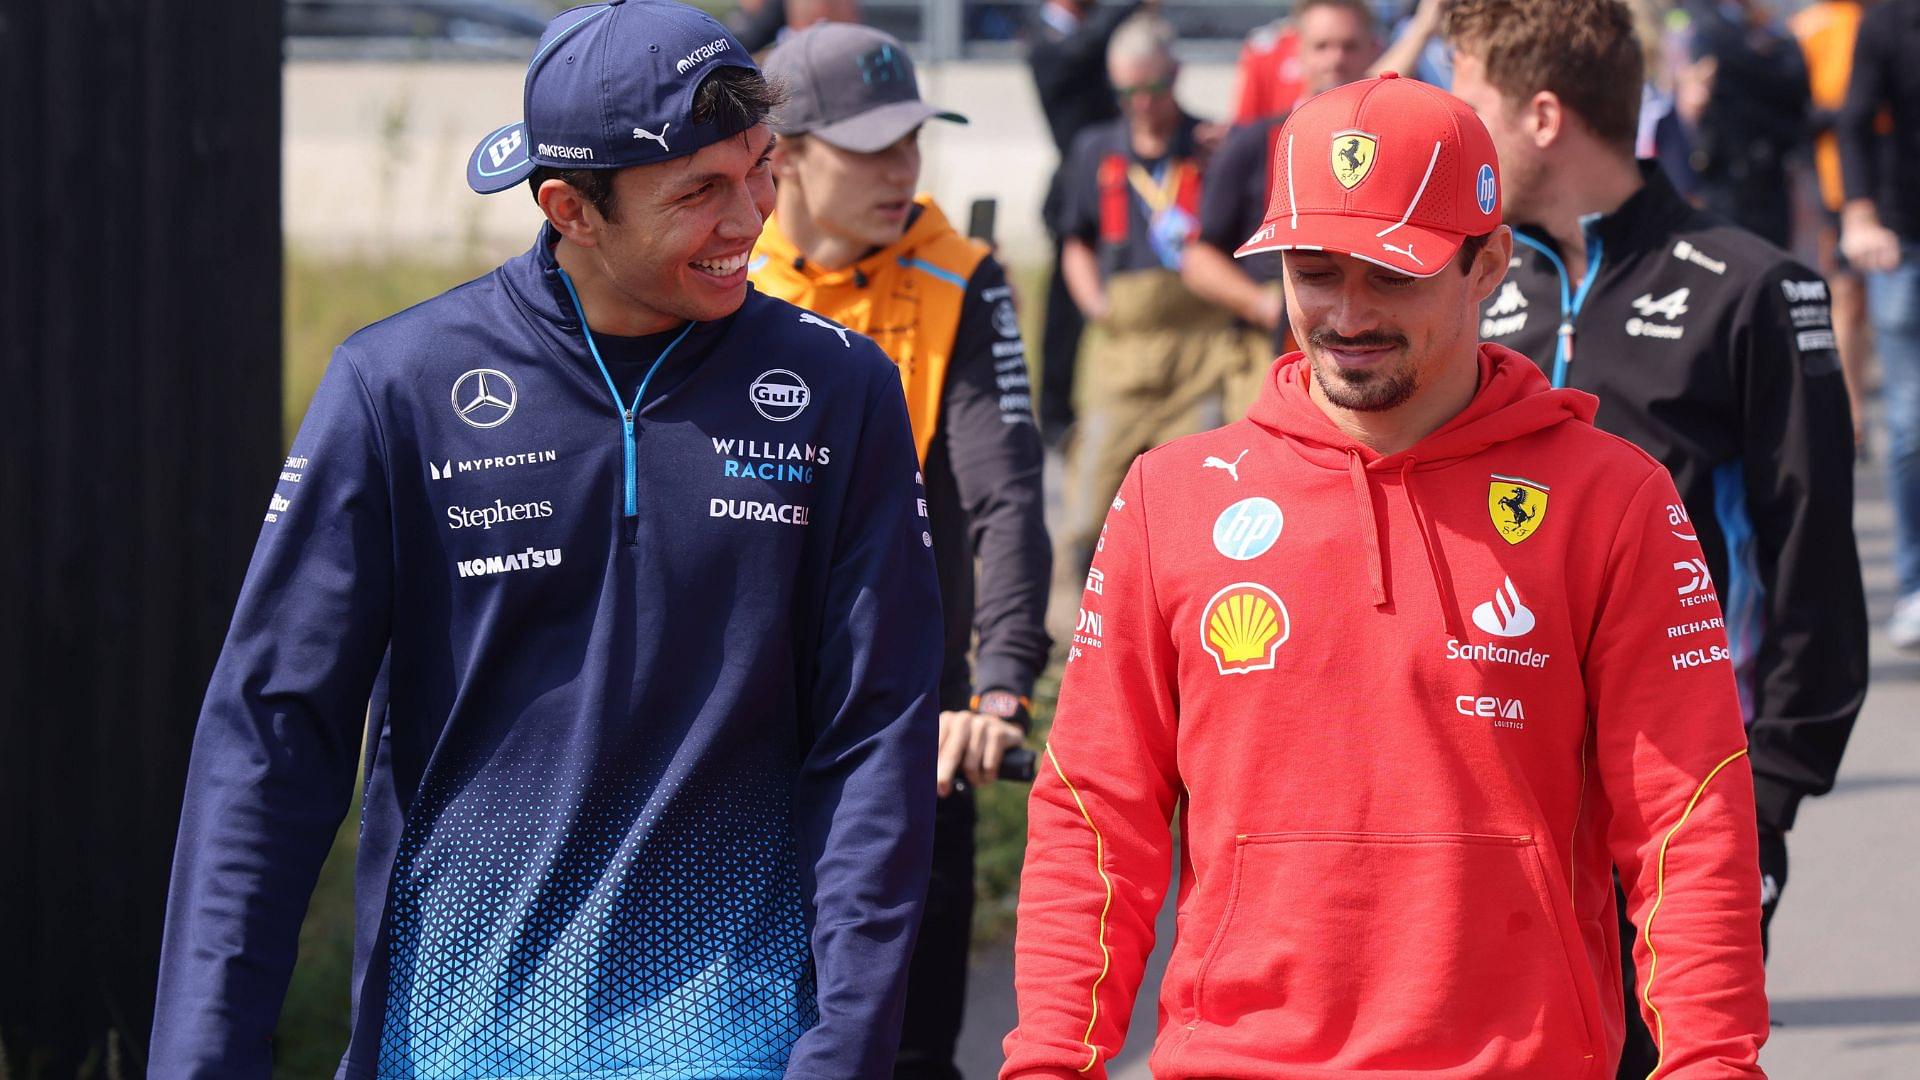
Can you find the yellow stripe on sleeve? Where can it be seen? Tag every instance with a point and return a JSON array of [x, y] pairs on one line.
[[1660, 895], [1100, 866]]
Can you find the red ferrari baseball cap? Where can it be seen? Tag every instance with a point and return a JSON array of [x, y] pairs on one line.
[[1388, 170]]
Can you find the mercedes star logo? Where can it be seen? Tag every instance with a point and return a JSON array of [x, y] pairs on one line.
[[484, 398]]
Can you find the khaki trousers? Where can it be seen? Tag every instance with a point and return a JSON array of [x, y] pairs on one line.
[[1149, 373]]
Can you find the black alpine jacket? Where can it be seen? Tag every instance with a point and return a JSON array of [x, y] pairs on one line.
[[1713, 351]]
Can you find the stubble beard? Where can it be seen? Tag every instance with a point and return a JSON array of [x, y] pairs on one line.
[[1367, 390]]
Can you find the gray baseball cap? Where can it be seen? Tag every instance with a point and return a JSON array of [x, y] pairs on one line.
[[850, 85]]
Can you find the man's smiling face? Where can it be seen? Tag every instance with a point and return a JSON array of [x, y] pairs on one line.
[[682, 230]]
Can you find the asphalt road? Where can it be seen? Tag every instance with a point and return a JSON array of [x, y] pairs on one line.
[[1844, 979]]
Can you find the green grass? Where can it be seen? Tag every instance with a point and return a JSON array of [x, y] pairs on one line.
[[325, 302], [328, 300]]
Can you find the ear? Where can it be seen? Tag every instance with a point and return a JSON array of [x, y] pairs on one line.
[[572, 216], [1490, 266], [1544, 119], [786, 158]]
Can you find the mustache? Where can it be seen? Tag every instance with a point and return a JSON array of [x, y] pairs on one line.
[[1327, 339]]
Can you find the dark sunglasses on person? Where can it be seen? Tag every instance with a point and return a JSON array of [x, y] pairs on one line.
[[1155, 88]]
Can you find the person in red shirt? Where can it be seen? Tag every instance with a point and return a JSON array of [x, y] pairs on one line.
[[1415, 655], [1267, 79], [1322, 43]]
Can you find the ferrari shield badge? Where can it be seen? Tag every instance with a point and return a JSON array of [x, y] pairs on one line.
[[1353, 153], [1517, 506]]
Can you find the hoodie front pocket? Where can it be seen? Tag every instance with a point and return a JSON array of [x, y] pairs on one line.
[[1391, 950]]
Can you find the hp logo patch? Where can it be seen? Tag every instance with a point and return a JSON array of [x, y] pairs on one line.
[[1247, 529], [779, 395], [1484, 189]]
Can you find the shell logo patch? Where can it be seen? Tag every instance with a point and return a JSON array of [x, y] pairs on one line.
[[1242, 627], [1353, 154], [1517, 506]]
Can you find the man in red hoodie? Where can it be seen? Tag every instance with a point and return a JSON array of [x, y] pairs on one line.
[[1417, 656]]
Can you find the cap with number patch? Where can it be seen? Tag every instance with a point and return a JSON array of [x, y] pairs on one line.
[[611, 85], [1388, 170]]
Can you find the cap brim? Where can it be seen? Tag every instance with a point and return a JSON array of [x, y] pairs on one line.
[[877, 129], [1403, 249], [503, 159]]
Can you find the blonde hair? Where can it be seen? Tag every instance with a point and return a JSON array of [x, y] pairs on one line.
[[1142, 37]]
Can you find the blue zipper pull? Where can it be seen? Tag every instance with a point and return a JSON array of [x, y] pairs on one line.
[[631, 507], [633, 495]]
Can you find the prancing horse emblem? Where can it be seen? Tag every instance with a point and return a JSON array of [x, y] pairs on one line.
[[1516, 506], [1353, 154]]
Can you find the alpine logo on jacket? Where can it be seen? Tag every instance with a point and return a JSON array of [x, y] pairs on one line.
[[1669, 307]]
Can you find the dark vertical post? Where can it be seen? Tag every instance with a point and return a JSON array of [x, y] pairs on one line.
[[140, 348]]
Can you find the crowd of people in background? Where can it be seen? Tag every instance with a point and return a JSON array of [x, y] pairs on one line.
[[1742, 109]]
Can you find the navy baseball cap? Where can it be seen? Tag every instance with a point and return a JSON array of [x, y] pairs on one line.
[[611, 85]]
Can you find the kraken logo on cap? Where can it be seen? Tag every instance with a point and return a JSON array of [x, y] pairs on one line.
[[1353, 154], [1242, 627]]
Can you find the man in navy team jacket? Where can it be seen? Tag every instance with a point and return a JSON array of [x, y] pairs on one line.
[[633, 564]]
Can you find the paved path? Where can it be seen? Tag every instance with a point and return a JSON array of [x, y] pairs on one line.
[[1845, 973]]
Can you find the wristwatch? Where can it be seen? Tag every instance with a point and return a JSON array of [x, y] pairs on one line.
[[1006, 705]]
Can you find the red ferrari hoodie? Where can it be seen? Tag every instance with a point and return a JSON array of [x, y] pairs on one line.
[[1412, 710]]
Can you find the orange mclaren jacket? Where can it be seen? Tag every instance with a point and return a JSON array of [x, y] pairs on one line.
[[941, 308], [1409, 711]]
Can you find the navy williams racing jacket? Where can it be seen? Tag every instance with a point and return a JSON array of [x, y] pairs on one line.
[[649, 775]]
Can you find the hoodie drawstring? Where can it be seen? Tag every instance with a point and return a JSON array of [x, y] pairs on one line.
[[1363, 504], [1376, 566], [1442, 583]]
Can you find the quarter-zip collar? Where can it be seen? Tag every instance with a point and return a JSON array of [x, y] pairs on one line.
[[1646, 218], [547, 294], [534, 279]]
